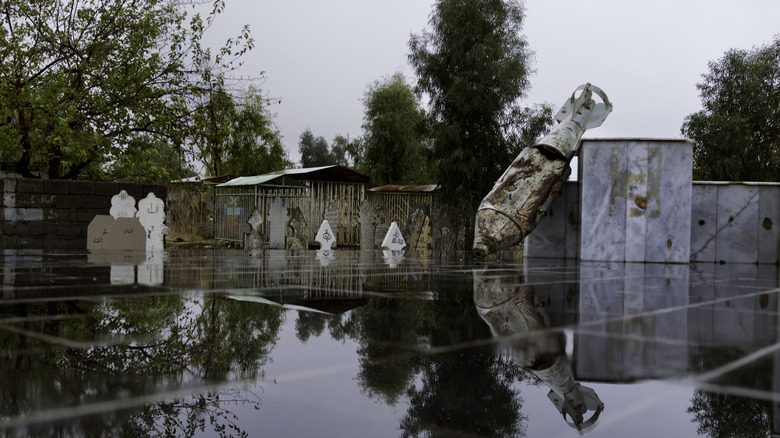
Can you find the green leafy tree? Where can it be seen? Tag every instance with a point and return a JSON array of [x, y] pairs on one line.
[[394, 129], [237, 136], [314, 150], [348, 152], [473, 65], [736, 137], [82, 82]]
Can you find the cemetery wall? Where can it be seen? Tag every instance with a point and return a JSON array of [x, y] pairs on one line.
[[55, 214]]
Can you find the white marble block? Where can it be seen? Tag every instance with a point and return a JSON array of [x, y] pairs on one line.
[[635, 200], [735, 222], [557, 234]]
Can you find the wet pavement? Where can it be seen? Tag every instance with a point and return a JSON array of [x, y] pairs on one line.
[[220, 342]]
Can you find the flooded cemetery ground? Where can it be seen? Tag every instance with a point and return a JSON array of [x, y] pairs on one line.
[[205, 342]]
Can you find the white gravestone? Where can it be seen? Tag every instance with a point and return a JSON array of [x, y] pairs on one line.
[[277, 223], [122, 205], [325, 236], [332, 216], [394, 240], [151, 213]]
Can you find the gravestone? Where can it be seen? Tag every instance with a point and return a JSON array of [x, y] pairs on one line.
[[332, 216], [296, 239], [367, 220], [253, 240], [126, 234], [277, 223], [97, 231], [325, 236], [420, 234], [151, 214], [122, 205], [325, 257], [394, 240]]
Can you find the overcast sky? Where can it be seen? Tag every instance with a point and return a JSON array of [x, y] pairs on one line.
[[319, 56]]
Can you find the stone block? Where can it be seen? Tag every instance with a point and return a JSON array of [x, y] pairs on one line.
[[81, 187], [57, 186], [769, 224], [22, 214], [557, 234], [25, 185], [107, 189], [704, 226], [635, 200]]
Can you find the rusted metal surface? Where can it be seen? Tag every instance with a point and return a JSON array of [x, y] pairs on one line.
[[521, 197], [517, 317]]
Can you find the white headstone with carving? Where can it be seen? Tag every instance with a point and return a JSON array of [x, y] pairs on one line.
[[394, 240], [122, 205], [151, 213], [325, 236]]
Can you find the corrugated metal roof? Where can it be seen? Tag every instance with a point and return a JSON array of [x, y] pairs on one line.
[[263, 180], [333, 173], [204, 179], [428, 188]]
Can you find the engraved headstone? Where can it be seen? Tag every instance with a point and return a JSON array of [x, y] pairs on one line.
[[325, 236], [253, 240], [122, 205], [296, 239], [367, 220], [277, 223], [97, 231], [151, 214], [394, 240], [332, 216], [420, 235], [127, 233]]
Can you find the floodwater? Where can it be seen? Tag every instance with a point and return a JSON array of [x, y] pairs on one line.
[[351, 344]]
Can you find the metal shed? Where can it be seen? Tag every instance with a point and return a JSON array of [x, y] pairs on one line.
[[396, 203], [338, 186], [235, 200]]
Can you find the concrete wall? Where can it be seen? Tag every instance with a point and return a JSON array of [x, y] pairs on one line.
[[54, 214]]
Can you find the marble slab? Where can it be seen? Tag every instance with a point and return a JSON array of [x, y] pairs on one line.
[[635, 200], [704, 226], [769, 224], [557, 234], [737, 235]]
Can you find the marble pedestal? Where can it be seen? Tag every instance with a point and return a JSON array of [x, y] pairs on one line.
[[635, 200]]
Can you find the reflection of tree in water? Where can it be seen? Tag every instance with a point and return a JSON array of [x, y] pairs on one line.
[[726, 416], [140, 346], [466, 390]]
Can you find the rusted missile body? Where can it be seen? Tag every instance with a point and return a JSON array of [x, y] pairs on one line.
[[517, 317], [521, 197]]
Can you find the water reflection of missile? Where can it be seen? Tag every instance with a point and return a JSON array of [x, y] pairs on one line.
[[515, 314], [521, 197]]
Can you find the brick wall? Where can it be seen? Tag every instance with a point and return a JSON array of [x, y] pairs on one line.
[[54, 214]]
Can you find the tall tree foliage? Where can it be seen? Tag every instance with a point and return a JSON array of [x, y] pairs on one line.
[[83, 81], [737, 134], [237, 136], [473, 65], [314, 150], [394, 132]]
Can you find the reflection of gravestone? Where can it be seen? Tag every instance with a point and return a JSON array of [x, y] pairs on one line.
[[97, 231], [367, 220], [296, 240], [394, 240], [151, 214], [151, 272], [277, 223], [253, 240], [325, 236], [332, 216]]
